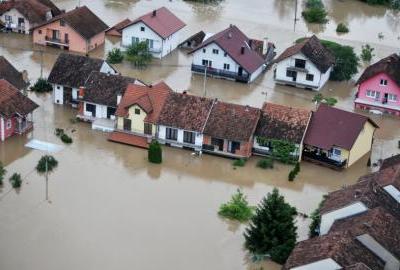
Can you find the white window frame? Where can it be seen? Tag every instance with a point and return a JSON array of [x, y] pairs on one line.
[[227, 66], [215, 51], [8, 124], [392, 97], [383, 82], [373, 94]]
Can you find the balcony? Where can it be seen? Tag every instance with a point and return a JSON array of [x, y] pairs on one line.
[[324, 160], [221, 73], [298, 69], [58, 41], [24, 127]]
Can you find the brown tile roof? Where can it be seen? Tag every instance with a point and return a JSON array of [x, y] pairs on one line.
[[103, 88], [283, 123], [185, 111], [129, 139], [13, 102], [232, 121], [357, 266], [54, 9], [389, 65], [82, 20], [331, 127], [116, 30], [164, 23], [73, 70], [313, 49], [11, 74], [150, 98], [197, 38], [390, 162], [231, 40]]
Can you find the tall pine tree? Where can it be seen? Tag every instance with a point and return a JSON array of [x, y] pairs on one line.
[[272, 230]]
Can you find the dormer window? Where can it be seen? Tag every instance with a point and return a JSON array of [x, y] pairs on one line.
[[383, 82], [142, 28]]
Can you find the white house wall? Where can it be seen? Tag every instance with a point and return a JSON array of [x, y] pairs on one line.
[[15, 14], [256, 73], [179, 142], [101, 110], [170, 43], [106, 68], [58, 93]]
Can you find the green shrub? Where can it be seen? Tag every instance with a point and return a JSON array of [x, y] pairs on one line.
[[266, 163], [66, 139], [297, 167], [138, 54], [155, 152], [316, 220], [314, 4], [239, 162], [2, 173], [292, 175], [237, 208], [115, 56], [52, 163], [42, 86], [342, 28], [315, 15], [59, 132], [16, 180], [367, 53]]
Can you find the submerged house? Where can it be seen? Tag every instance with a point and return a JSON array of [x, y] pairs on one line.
[[116, 30], [337, 138], [229, 130], [9, 73], [22, 15], [281, 124], [15, 111], [70, 72], [160, 28], [78, 30], [379, 86], [307, 64], [193, 41], [231, 55], [138, 112]]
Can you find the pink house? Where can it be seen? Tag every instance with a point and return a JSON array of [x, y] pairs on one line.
[[78, 30], [15, 111], [379, 86]]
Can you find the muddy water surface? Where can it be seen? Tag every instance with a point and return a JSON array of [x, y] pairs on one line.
[[110, 209]]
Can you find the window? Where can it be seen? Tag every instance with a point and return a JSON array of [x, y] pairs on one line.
[[137, 111], [207, 63], [40, 31], [135, 40], [8, 18], [9, 124], [148, 128], [300, 63], [226, 66], [204, 50], [150, 43], [215, 51], [373, 94], [336, 152], [172, 134], [309, 77], [62, 23], [225, 54], [188, 137], [290, 73], [91, 108], [384, 82], [392, 97], [127, 124], [142, 28]]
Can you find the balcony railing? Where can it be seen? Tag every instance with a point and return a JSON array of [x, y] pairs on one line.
[[57, 40], [298, 69], [221, 73], [324, 160]]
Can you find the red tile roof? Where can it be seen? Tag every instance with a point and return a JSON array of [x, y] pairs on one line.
[[13, 102], [150, 98], [129, 139], [331, 127], [231, 40], [116, 30], [389, 65], [164, 23]]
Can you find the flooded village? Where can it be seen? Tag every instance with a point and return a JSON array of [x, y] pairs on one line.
[[109, 208]]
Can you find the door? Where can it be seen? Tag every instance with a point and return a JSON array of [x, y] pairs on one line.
[[234, 146], [219, 143], [127, 124], [21, 21], [91, 108], [385, 98], [67, 95], [66, 39], [110, 112], [294, 77], [240, 71], [54, 34]]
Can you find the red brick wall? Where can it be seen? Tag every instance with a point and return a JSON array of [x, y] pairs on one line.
[[244, 151], [9, 132]]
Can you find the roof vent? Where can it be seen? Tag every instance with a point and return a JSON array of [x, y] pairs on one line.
[[154, 13], [247, 108], [184, 92], [242, 50]]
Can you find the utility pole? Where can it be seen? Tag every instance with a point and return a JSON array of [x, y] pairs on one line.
[[295, 16], [47, 180], [41, 63]]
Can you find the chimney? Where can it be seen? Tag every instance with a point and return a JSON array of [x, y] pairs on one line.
[[150, 86], [247, 108], [242, 50], [154, 13], [184, 92], [119, 97], [81, 92]]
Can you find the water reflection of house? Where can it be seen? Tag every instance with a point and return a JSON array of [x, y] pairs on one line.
[[78, 30], [337, 138], [379, 86], [70, 72], [138, 113], [307, 64], [229, 130], [8, 72], [281, 123], [15, 111]]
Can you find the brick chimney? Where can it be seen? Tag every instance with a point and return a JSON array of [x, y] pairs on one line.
[[242, 50], [81, 92], [154, 13]]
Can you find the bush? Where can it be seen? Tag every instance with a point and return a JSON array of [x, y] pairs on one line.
[[59, 132], [139, 54], [42, 86], [52, 163], [16, 180], [66, 139], [293, 173], [316, 220], [319, 98], [115, 56], [366, 53], [237, 208], [2, 173], [315, 15], [239, 162], [342, 28], [155, 152], [266, 163]]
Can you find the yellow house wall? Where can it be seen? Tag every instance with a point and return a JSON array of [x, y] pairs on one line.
[[363, 143], [137, 120]]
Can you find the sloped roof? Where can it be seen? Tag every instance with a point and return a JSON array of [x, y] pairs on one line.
[[232, 121], [11, 74], [73, 70], [54, 9], [231, 40], [119, 26], [313, 49], [82, 20], [13, 102], [390, 162], [103, 88], [197, 38], [389, 65], [331, 127], [185, 111], [150, 98], [283, 123], [164, 23]]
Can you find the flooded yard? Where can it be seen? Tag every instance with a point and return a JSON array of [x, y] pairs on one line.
[[110, 209]]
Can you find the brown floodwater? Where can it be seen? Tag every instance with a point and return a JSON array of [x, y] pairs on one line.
[[110, 209]]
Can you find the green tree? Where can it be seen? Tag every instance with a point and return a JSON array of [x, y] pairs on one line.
[[316, 219], [272, 231], [115, 56], [139, 54], [367, 53], [342, 28], [237, 208], [315, 12], [155, 152], [16, 180], [42, 86], [3, 172], [52, 163]]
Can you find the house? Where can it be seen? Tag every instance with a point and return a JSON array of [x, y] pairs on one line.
[[307, 64], [193, 41], [337, 138], [182, 120], [15, 111], [231, 55], [279, 123], [9, 73], [379, 86], [23, 15], [78, 30], [138, 112], [116, 30], [70, 72], [99, 97], [159, 28], [229, 130]]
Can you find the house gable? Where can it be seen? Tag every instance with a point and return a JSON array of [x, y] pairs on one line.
[[363, 143]]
